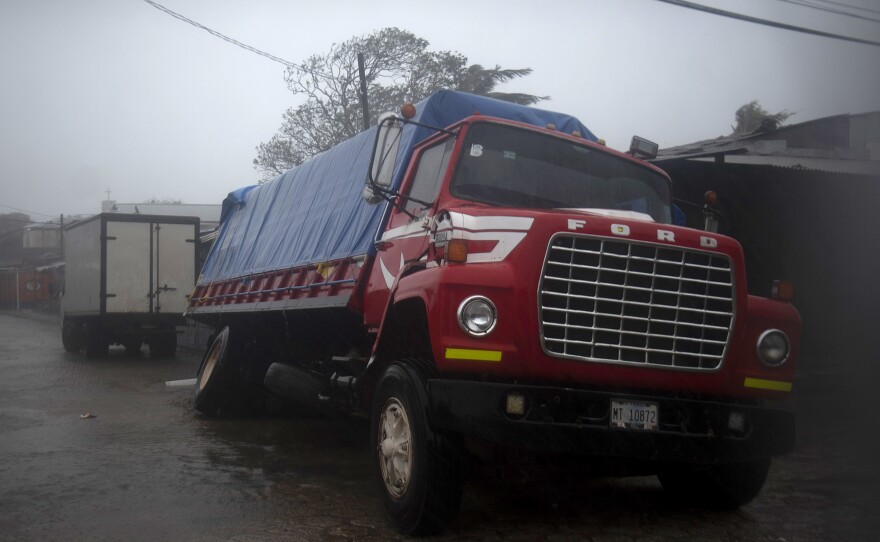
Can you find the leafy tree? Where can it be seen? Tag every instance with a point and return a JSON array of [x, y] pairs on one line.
[[398, 68], [752, 117]]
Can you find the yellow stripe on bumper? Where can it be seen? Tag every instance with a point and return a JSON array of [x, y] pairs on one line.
[[762, 384], [493, 356]]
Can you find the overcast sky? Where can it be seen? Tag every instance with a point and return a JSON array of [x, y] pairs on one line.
[[98, 94]]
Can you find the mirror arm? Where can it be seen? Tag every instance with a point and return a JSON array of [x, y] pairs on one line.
[[428, 126], [389, 196], [404, 120]]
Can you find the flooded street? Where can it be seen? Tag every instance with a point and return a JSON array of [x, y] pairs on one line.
[[147, 467]]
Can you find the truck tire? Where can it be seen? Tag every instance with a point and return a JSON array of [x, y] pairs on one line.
[[96, 343], [418, 470], [163, 346], [71, 337], [214, 384], [719, 487]]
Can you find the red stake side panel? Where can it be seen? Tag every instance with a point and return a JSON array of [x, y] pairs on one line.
[[325, 284]]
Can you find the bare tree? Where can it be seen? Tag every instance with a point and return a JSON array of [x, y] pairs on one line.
[[398, 68]]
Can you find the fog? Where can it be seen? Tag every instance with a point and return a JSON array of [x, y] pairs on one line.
[[113, 94]]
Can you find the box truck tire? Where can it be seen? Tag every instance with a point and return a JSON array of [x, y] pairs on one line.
[[720, 487], [418, 471], [96, 343], [71, 337]]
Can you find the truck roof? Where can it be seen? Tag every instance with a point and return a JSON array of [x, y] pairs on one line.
[[315, 211]]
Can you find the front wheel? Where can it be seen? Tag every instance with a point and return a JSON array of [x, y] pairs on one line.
[[417, 469], [721, 487]]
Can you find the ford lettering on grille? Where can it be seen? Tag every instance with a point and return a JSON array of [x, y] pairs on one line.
[[618, 301]]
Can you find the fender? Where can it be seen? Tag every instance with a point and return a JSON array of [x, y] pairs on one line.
[[372, 373], [409, 269]]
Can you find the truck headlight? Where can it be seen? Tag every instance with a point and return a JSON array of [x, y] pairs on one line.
[[773, 347], [477, 316]]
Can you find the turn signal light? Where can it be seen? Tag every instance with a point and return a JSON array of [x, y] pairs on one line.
[[782, 290], [457, 250], [711, 198], [408, 110]]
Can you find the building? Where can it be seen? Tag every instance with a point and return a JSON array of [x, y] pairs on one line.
[[802, 201], [31, 267]]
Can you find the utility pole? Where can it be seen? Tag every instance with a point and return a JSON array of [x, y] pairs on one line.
[[364, 105]]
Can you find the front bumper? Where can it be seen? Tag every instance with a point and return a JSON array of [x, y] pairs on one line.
[[572, 421]]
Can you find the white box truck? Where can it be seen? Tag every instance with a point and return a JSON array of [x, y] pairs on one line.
[[126, 281]]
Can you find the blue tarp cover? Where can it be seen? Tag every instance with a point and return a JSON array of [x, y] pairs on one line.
[[315, 212]]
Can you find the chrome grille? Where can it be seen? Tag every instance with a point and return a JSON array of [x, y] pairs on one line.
[[615, 301]]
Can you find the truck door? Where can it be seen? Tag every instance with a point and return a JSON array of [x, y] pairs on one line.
[[173, 266], [127, 267], [407, 233]]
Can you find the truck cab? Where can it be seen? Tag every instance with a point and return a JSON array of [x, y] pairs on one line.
[[539, 278]]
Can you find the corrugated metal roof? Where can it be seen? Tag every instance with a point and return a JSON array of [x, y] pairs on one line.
[[815, 145], [853, 167]]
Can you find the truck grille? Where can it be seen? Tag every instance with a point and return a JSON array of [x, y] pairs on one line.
[[613, 301]]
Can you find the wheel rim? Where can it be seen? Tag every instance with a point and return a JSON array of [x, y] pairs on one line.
[[394, 450], [210, 363]]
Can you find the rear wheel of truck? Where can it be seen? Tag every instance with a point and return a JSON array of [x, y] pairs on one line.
[[417, 469], [719, 487], [214, 384], [96, 344], [71, 337], [163, 346]]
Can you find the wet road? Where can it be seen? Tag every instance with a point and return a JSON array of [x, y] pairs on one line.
[[147, 467]]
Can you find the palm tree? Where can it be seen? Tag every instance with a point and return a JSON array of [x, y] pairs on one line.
[[479, 80]]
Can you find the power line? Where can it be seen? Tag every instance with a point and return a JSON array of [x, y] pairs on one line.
[[849, 6], [836, 11], [235, 42], [750, 19], [26, 211]]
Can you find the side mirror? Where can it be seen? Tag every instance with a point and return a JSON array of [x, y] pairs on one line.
[[639, 146], [385, 150], [371, 196], [710, 215]]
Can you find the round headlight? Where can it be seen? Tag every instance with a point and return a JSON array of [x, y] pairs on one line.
[[477, 316], [773, 347]]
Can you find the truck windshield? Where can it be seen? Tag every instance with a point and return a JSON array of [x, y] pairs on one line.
[[514, 167]]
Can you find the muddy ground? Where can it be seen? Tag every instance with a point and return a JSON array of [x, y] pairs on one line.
[[147, 467]]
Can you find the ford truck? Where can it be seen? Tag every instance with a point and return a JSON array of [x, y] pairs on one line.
[[474, 271]]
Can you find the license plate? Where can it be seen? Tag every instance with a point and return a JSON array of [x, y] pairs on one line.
[[634, 415]]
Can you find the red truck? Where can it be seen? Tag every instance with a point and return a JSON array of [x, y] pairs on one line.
[[501, 278]]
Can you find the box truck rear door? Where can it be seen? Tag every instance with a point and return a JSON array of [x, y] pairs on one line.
[[128, 267], [174, 266]]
